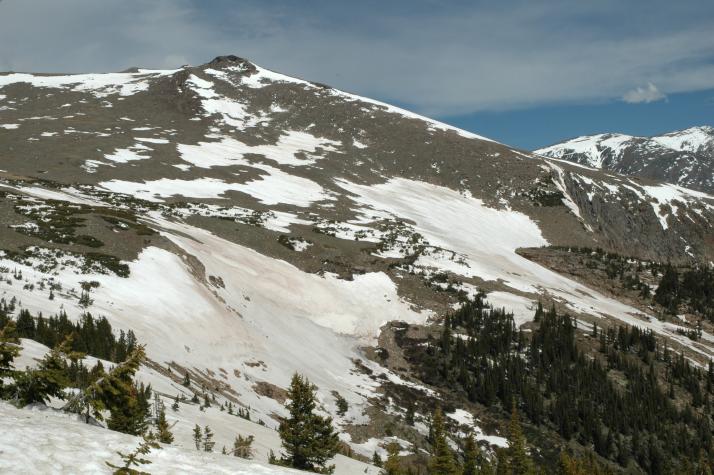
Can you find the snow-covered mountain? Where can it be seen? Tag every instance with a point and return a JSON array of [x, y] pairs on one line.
[[247, 225], [684, 157]]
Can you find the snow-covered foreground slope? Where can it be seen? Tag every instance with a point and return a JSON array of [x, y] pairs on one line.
[[268, 321], [181, 453], [46, 441]]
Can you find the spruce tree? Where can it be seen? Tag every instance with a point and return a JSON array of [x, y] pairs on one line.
[[243, 446], [162, 427], [442, 458], [470, 456], [9, 350], [208, 442], [115, 392], [136, 458], [519, 463], [342, 405], [308, 439], [377, 459], [392, 465], [48, 380], [197, 436]]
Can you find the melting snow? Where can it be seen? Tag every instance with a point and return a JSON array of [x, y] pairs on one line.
[[292, 148], [101, 85]]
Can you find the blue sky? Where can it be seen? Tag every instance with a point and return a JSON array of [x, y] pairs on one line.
[[536, 127], [525, 72]]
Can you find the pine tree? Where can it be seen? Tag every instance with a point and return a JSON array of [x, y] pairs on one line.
[[442, 458], [175, 405], [197, 436], [519, 463], [409, 414], [376, 459], [392, 465], [243, 446], [9, 350], [135, 458], [342, 405], [208, 442], [186, 380], [50, 378], [471, 453], [116, 392], [162, 427], [308, 439]]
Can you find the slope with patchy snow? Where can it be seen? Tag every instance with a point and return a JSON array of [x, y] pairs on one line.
[[272, 225]]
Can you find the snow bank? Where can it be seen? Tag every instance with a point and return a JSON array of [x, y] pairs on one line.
[[487, 239], [100, 85], [48, 441], [292, 148]]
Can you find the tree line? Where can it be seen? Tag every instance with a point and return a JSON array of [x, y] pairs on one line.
[[634, 401]]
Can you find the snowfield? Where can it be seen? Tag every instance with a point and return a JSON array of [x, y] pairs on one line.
[[286, 151], [100, 85], [487, 238], [268, 321], [182, 451], [41, 440]]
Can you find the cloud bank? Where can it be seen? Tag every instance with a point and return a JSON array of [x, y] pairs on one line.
[[439, 58]]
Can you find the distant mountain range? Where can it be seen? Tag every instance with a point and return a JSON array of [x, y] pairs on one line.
[[684, 157]]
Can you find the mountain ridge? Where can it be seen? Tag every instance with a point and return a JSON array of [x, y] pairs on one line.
[[684, 157]]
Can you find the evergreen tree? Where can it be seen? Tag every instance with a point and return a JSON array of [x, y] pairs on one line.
[[308, 439], [25, 325], [342, 405], [376, 459], [243, 446], [9, 350], [392, 465], [471, 453], [49, 379], [208, 442], [115, 392], [162, 427], [519, 462], [442, 458], [197, 436], [409, 414], [136, 458]]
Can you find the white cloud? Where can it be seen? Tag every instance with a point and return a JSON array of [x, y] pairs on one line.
[[438, 58], [647, 94]]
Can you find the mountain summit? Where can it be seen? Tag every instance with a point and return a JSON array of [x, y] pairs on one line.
[[684, 157]]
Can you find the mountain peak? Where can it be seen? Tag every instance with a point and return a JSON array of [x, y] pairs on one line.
[[683, 157], [228, 60]]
